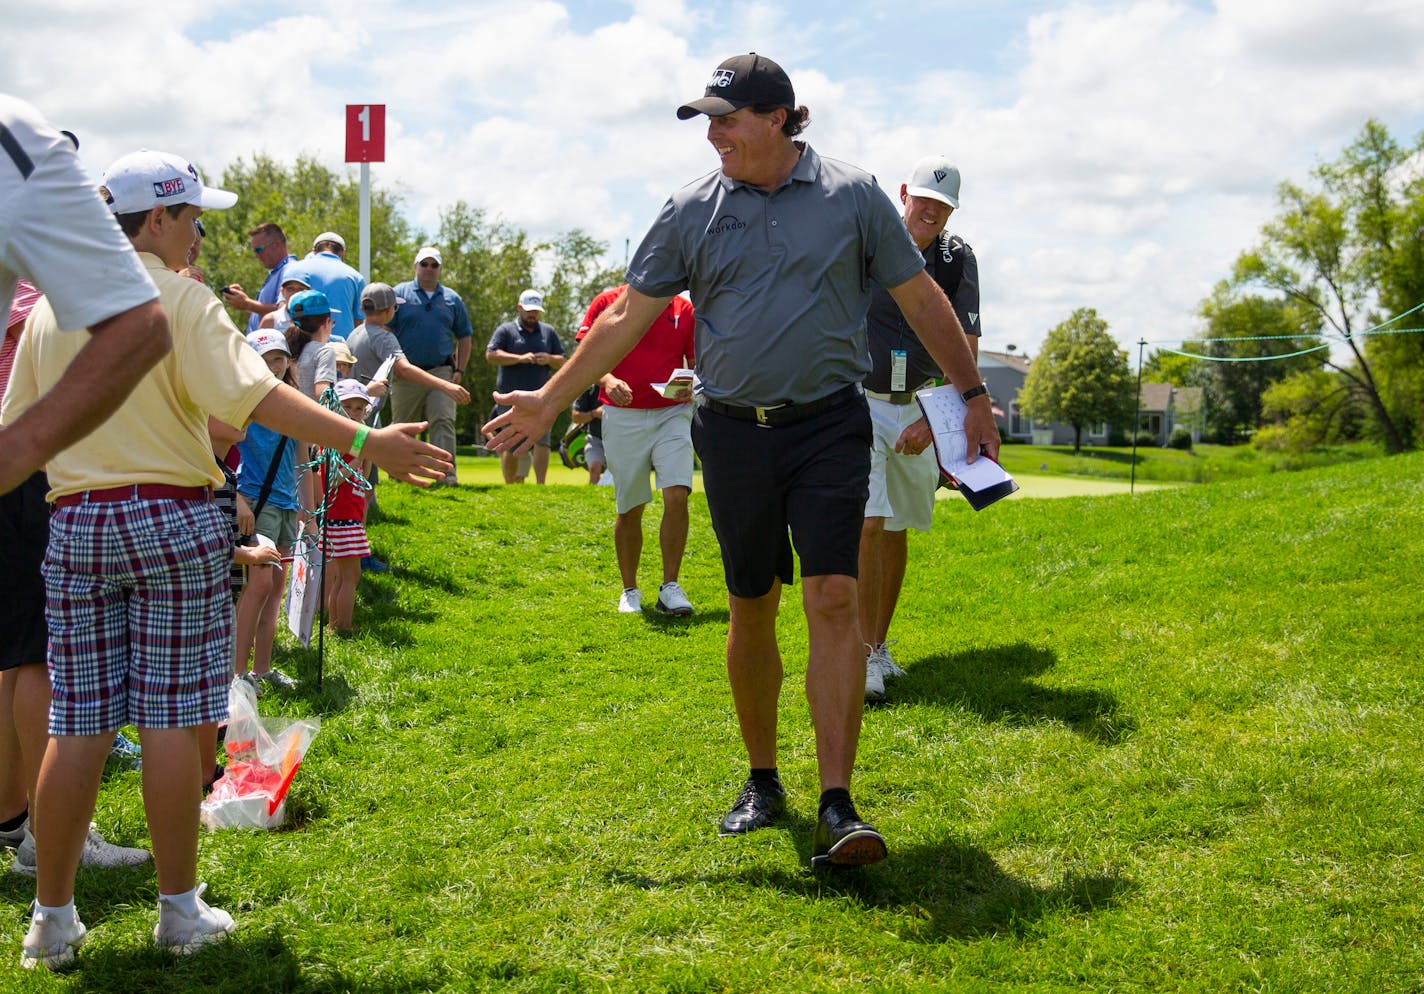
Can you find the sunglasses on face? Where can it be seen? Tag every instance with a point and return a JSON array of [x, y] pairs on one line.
[[429, 264], [202, 232], [259, 249]]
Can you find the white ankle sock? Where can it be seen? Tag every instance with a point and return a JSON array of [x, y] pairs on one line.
[[64, 913], [186, 902]]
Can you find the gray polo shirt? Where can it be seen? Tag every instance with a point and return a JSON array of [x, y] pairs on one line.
[[371, 345], [781, 280]]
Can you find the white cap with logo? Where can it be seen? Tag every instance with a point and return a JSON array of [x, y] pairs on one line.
[[145, 179], [936, 178], [532, 300]]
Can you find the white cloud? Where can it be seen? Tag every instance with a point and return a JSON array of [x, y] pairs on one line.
[[1116, 155]]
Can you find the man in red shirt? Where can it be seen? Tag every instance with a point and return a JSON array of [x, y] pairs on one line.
[[645, 431]]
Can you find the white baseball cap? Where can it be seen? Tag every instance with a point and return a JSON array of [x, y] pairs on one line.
[[936, 178], [351, 389], [429, 252], [145, 179], [329, 236], [532, 300], [268, 341]]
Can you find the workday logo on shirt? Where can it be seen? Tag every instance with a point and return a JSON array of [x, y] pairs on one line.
[[726, 224]]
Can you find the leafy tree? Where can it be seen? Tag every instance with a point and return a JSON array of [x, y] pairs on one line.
[[579, 275], [1081, 377], [305, 198], [1309, 408], [1241, 330], [488, 263], [1341, 250], [1169, 367]]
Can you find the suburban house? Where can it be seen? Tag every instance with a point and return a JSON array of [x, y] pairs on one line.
[[1164, 407]]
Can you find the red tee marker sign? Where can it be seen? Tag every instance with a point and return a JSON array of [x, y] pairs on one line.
[[365, 132]]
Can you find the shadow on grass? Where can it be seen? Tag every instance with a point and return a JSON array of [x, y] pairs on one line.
[[997, 683], [717, 616], [943, 890], [248, 962], [1104, 455]]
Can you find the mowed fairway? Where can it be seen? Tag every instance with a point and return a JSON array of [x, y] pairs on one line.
[[1163, 742]]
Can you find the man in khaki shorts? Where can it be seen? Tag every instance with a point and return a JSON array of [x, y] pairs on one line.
[[645, 431]]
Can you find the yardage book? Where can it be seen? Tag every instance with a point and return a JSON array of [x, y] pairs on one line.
[[983, 481]]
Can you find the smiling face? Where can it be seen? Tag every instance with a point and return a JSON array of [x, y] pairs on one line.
[[750, 146], [277, 361], [355, 408], [924, 218]]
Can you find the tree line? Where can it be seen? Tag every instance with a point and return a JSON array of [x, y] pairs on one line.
[[486, 260], [1343, 255]]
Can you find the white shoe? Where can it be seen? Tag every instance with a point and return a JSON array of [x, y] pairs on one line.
[[51, 941], [874, 679], [631, 601], [97, 852], [672, 599], [182, 934], [888, 667]]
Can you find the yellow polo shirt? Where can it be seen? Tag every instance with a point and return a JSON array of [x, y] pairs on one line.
[[160, 434]]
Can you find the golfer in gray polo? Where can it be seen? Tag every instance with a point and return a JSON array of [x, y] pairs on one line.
[[778, 248]]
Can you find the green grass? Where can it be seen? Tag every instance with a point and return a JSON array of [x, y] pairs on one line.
[[1168, 742], [1204, 464]]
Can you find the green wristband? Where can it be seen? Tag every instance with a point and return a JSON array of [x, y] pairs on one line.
[[359, 440]]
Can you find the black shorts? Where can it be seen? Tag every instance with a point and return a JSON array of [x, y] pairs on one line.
[[24, 533], [768, 488]]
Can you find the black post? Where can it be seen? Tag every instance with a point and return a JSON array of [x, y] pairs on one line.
[[1136, 416]]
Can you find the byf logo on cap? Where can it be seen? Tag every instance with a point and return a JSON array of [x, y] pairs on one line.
[[145, 179]]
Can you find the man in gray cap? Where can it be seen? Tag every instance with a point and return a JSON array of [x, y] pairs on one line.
[[778, 248], [903, 471]]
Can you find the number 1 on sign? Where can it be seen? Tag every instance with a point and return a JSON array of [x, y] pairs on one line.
[[365, 118]]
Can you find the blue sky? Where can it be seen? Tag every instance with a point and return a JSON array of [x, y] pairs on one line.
[[1117, 155]]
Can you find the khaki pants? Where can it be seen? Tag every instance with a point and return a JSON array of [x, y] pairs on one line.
[[411, 402]]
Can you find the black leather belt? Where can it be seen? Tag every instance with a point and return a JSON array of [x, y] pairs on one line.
[[782, 415]]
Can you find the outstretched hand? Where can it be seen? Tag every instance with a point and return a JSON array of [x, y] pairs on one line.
[[528, 418]]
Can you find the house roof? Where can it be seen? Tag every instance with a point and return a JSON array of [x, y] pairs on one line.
[[1162, 396], [1007, 359]]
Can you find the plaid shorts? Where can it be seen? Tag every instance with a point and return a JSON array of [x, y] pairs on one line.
[[140, 617]]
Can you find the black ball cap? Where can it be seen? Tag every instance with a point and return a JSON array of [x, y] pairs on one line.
[[742, 81]]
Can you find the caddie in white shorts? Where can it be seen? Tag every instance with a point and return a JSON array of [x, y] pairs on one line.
[[902, 487]]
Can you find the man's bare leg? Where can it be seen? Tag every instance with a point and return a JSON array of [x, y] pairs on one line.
[[894, 558], [835, 674], [872, 534], [628, 544], [541, 463], [64, 803], [672, 534], [754, 670], [172, 789]]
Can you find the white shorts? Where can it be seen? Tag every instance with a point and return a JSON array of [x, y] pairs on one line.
[[902, 487], [638, 442]]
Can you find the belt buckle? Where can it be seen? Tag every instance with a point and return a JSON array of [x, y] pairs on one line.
[[761, 413]]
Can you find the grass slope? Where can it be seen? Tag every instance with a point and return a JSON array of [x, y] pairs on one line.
[[1162, 742]]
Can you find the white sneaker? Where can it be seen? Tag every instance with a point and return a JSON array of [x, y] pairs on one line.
[[274, 678], [182, 934], [888, 667], [874, 679], [631, 601], [51, 941], [97, 852], [672, 599]]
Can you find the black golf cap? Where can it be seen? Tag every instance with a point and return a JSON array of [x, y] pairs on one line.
[[742, 81]]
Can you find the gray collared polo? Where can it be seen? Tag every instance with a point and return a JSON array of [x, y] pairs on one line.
[[781, 280]]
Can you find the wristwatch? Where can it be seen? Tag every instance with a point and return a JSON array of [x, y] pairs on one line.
[[973, 392], [459, 372]]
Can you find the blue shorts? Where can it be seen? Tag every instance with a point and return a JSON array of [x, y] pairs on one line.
[[140, 615]]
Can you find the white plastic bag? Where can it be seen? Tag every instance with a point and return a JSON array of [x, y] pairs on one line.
[[304, 589], [263, 755]]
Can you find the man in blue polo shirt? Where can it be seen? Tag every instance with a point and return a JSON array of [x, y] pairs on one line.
[[269, 244], [326, 270], [527, 351], [779, 248], [434, 331]]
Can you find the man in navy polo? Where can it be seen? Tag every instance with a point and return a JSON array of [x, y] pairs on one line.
[[269, 244], [327, 271], [527, 351], [779, 248], [434, 331]]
